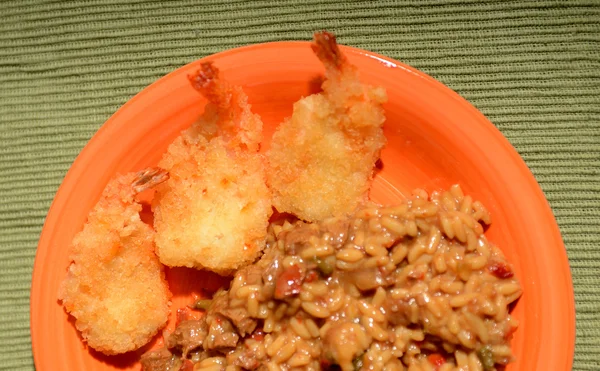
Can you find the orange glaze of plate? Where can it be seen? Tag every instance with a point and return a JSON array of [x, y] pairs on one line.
[[435, 139]]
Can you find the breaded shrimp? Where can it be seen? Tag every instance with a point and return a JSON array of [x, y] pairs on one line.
[[322, 158], [115, 286], [213, 212]]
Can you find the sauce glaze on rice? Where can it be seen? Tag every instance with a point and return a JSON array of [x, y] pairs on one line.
[[416, 286]]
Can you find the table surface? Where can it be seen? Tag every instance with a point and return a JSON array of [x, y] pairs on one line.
[[532, 67]]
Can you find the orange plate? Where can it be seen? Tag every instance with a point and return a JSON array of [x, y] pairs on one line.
[[435, 139]]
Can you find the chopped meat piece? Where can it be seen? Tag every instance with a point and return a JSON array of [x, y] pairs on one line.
[[253, 274], [221, 333], [246, 359], [298, 238], [187, 314], [397, 311], [342, 342], [241, 319], [188, 336], [270, 265], [238, 316], [338, 232], [220, 300], [370, 278], [160, 360], [289, 282]]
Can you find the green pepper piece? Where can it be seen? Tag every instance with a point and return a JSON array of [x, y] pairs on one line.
[[324, 267], [486, 357], [202, 304]]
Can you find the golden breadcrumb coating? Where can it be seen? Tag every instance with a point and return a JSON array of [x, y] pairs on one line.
[[115, 286], [213, 211], [322, 159]]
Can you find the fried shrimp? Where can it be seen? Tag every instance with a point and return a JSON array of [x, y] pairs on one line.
[[115, 286], [322, 158], [213, 212]]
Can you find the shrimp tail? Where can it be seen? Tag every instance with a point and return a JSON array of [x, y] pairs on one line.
[[207, 82], [228, 113], [327, 50], [149, 178]]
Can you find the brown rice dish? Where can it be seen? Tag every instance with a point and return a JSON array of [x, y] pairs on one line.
[[412, 287]]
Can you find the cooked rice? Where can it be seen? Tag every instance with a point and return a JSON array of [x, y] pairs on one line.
[[415, 286]]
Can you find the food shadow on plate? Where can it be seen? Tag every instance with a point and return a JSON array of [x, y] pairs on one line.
[[315, 84], [186, 282], [189, 282], [146, 214], [119, 361], [513, 305], [125, 360], [378, 166]]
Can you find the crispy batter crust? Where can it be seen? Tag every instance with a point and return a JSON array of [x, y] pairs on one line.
[[214, 210], [115, 286], [322, 158]]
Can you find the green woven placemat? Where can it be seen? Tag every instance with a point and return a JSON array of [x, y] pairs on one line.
[[532, 67]]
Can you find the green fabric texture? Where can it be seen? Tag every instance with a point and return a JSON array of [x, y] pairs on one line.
[[532, 67]]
